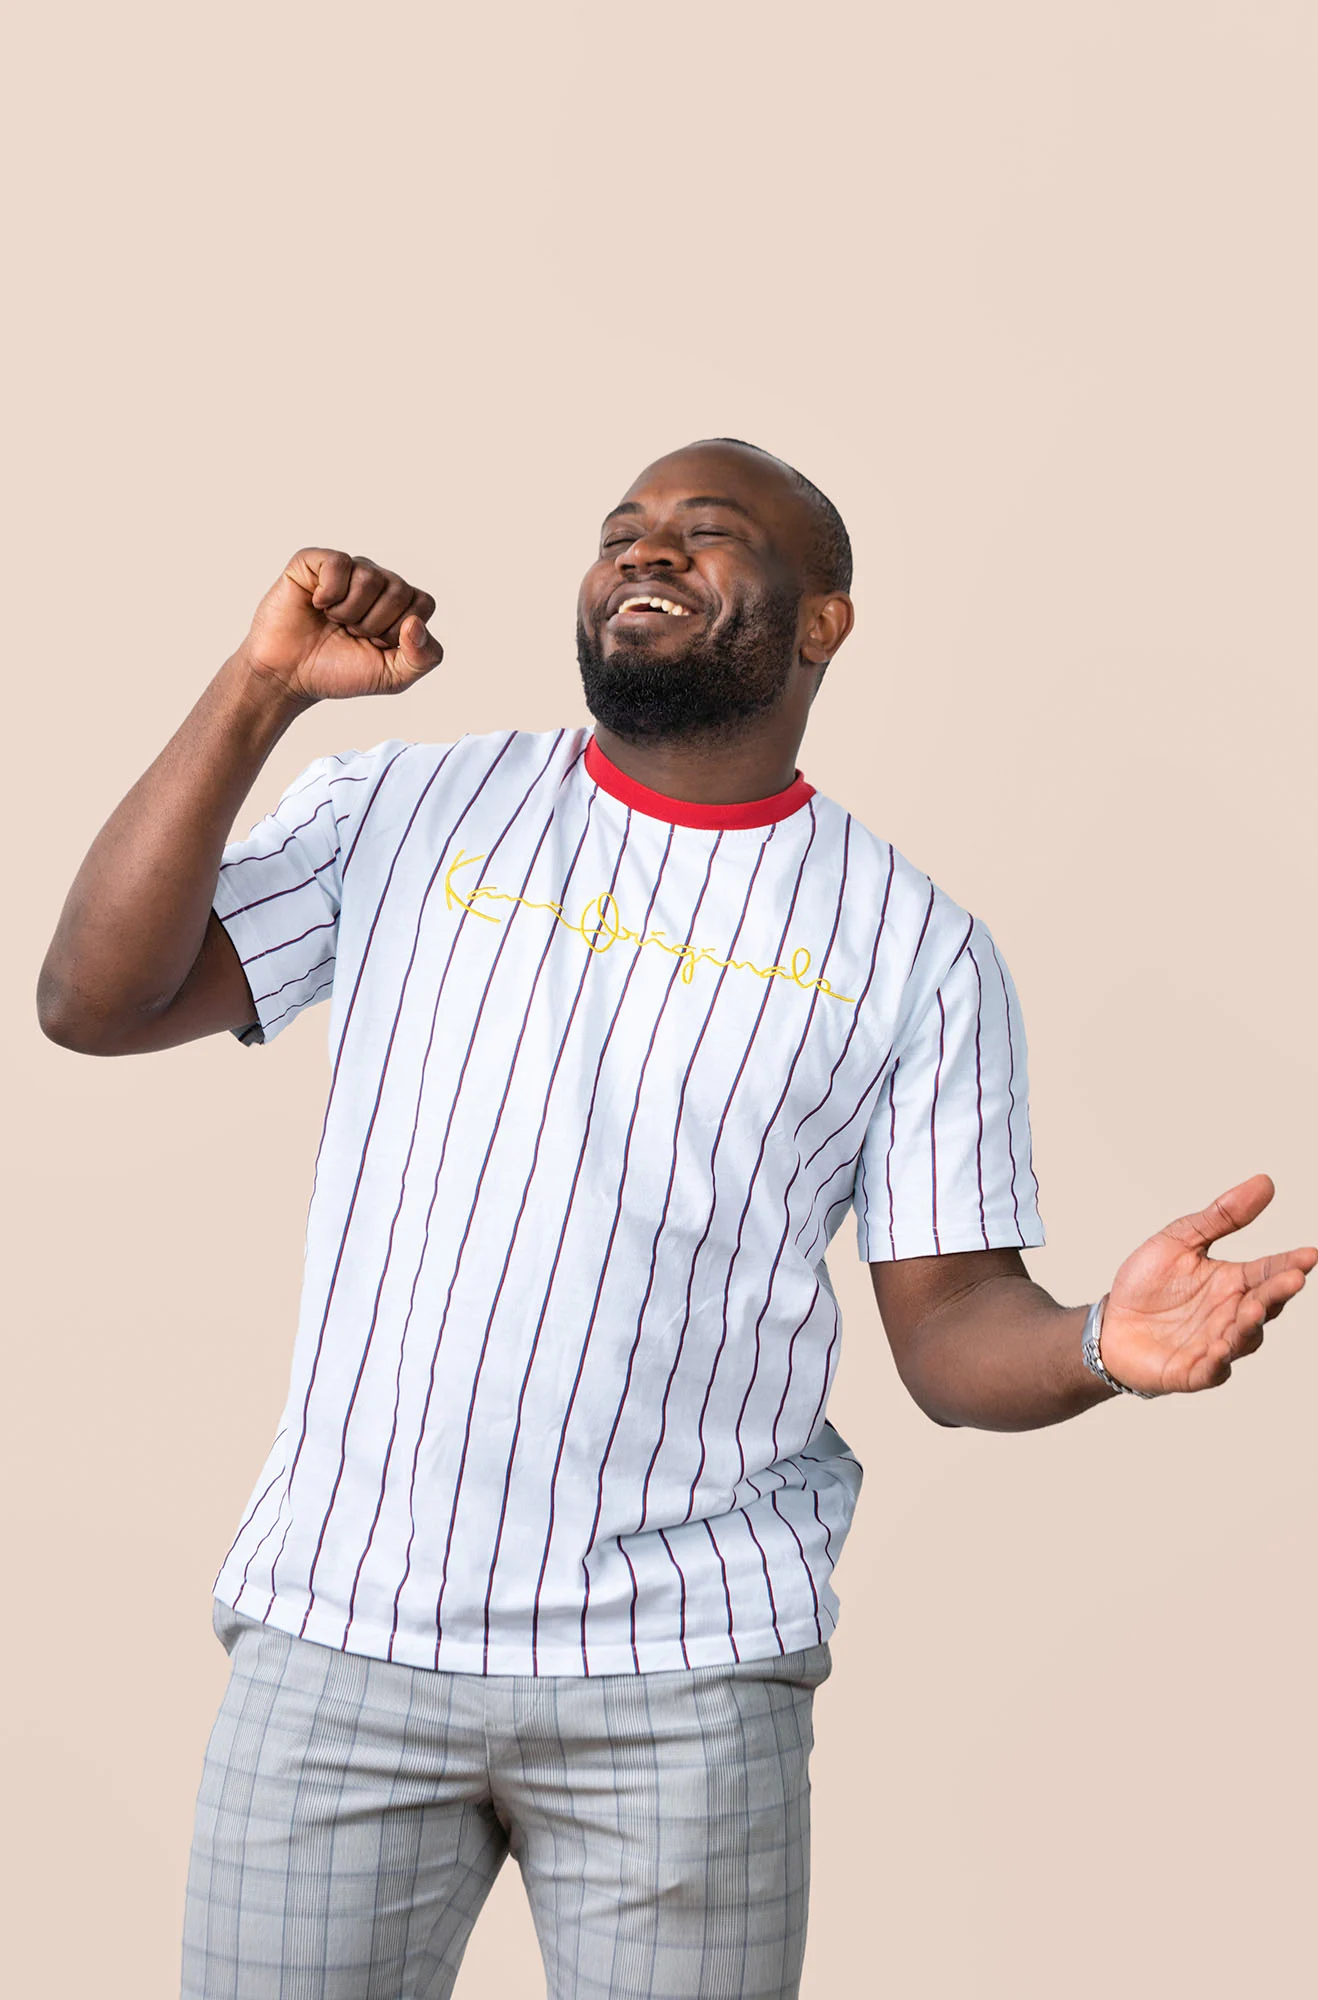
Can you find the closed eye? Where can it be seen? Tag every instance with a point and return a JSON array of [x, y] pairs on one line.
[[624, 541]]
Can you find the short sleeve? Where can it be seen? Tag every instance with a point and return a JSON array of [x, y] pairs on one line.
[[946, 1163], [279, 890]]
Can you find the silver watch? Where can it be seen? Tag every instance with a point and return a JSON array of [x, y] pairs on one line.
[[1094, 1360]]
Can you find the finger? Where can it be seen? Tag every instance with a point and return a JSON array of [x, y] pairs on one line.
[[325, 572], [1246, 1335], [388, 610], [420, 605], [1257, 1308], [1263, 1268], [364, 587], [1275, 1292], [1232, 1210], [1210, 1369], [1219, 1372]]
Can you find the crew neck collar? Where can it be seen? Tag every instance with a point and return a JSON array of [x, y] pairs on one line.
[[687, 812]]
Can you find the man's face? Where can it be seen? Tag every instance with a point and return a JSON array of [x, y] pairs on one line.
[[687, 625]]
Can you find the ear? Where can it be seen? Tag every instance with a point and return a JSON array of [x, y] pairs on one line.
[[829, 619]]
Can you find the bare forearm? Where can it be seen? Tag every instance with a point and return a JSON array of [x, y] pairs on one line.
[[133, 921], [1003, 1357]]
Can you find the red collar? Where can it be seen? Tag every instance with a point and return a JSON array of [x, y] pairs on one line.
[[685, 812]]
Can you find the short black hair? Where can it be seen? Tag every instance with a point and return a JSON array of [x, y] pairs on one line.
[[828, 558]]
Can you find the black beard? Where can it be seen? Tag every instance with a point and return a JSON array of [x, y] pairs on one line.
[[711, 691]]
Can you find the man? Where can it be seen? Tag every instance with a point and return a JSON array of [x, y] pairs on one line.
[[621, 1024]]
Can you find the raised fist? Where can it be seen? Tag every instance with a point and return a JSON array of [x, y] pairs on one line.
[[334, 625]]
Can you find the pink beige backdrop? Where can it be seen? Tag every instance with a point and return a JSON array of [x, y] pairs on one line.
[[1029, 289]]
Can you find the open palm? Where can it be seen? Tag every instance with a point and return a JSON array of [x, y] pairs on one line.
[[1177, 1318]]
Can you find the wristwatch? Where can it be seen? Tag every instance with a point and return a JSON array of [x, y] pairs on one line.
[[1094, 1360]]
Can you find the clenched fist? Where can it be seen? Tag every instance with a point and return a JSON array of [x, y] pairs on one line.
[[334, 625]]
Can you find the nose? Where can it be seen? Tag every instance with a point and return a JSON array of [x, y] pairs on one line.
[[653, 549]]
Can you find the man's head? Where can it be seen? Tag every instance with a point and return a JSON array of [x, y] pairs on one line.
[[719, 597]]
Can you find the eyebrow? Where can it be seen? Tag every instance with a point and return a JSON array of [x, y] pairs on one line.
[[695, 500]]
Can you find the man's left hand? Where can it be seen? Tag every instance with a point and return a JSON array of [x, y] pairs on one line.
[[1176, 1318]]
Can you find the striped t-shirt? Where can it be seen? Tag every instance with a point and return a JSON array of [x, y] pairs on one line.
[[607, 1071]]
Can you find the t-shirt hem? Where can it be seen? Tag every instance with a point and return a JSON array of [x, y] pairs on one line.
[[456, 1656], [245, 935], [877, 1248]]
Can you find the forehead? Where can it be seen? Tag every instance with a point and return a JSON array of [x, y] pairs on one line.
[[709, 471]]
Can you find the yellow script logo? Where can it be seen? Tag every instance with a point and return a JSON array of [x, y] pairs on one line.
[[600, 926]]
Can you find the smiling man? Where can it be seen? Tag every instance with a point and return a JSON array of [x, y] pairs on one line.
[[622, 1023], [686, 669]]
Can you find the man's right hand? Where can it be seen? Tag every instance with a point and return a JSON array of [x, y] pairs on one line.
[[334, 625]]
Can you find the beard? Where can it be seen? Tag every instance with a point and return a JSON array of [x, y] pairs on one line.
[[710, 691]]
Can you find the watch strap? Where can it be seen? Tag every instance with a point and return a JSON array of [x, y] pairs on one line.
[[1094, 1360]]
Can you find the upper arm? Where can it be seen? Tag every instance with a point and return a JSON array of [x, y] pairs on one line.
[[269, 946], [214, 996]]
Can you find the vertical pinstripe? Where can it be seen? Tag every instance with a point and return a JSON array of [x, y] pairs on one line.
[[887, 1157], [933, 1119], [1011, 1085], [979, 1096]]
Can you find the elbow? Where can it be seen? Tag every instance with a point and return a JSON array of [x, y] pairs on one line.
[[68, 1025], [66, 1034], [929, 1407], [54, 1015], [918, 1391]]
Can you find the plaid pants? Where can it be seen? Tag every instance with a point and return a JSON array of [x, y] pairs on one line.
[[353, 1814]]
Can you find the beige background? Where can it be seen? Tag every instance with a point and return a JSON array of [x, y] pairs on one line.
[[1029, 290]]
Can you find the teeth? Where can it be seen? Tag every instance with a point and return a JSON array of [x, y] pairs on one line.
[[655, 604]]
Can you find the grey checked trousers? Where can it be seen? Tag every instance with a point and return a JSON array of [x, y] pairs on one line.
[[353, 1814]]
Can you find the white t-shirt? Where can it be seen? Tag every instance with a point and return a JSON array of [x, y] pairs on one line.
[[608, 1070]]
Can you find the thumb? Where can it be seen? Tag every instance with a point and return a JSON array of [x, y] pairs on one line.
[[419, 647], [1236, 1208]]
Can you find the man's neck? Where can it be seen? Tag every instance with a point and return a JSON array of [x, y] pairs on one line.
[[709, 772]]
